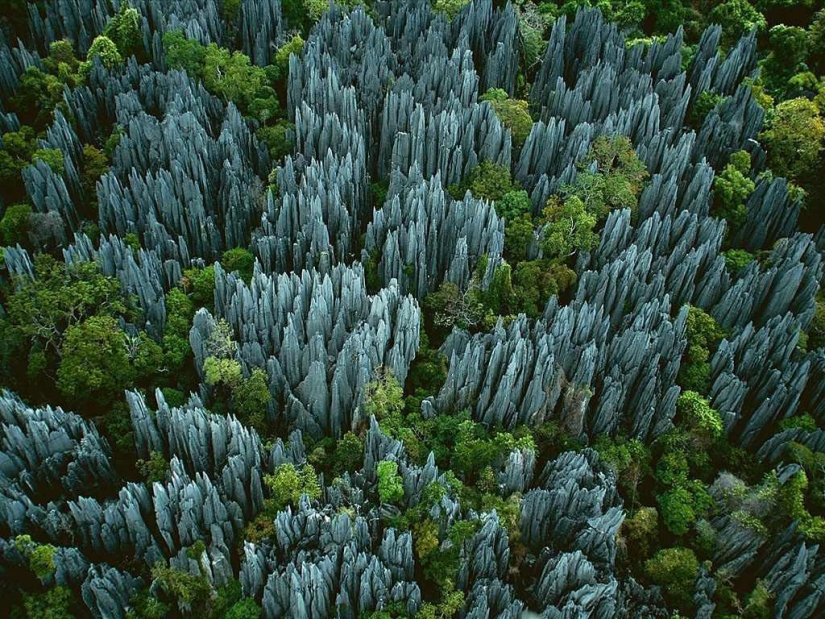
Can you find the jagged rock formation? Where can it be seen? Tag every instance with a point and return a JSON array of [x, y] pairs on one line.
[[319, 336]]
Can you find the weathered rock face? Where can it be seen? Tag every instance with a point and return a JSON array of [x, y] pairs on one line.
[[319, 336], [47, 453]]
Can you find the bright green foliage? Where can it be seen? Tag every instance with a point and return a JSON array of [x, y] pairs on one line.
[[488, 181], [794, 139], [390, 484], [476, 450], [499, 297], [105, 49], [682, 505], [513, 114], [146, 606], [14, 227], [278, 138], [737, 259], [155, 468], [449, 7], [95, 165], [281, 59], [383, 396], [349, 454], [816, 42], [124, 30], [451, 307], [789, 49], [704, 105], [288, 483], [732, 188], [618, 181], [451, 602], [230, 9], [222, 372], [518, 234], [183, 53], [640, 531], [675, 570], [16, 153], [628, 458], [514, 204], [55, 603], [251, 398], [240, 260], [40, 556], [425, 534], [99, 361], [702, 420], [187, 590], [230, 75], [703, 335], [247, 608], [759, 603], [569, 228], [736, 17], [535, 281], [52, 157], [201, 284], [59, 297]]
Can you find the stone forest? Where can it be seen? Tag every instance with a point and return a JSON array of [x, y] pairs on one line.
[[441, 309]]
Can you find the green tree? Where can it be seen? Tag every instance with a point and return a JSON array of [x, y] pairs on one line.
[[59, 297], [449, 7], [183, 53], [52, 157], [514, 204], [281, 59], [569, 228], [705, 103], [736, 17], [99, 361], [278, 138], [40, 556], [732, 188], [513, 114], [390, 484], [240, 260], [201, 284], [251, 398], [349, 454], [190, 592], [14, 227], [487, 181], [124, 30], [675, 570], [704, 422], [703, 334], [104, 48], [737, 259], [450, 306], [288, 483], [518, 234], [155, 468], [640, 532], [617, 181], [794, 139], [247, 608], [383, 396], [55, 603]]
